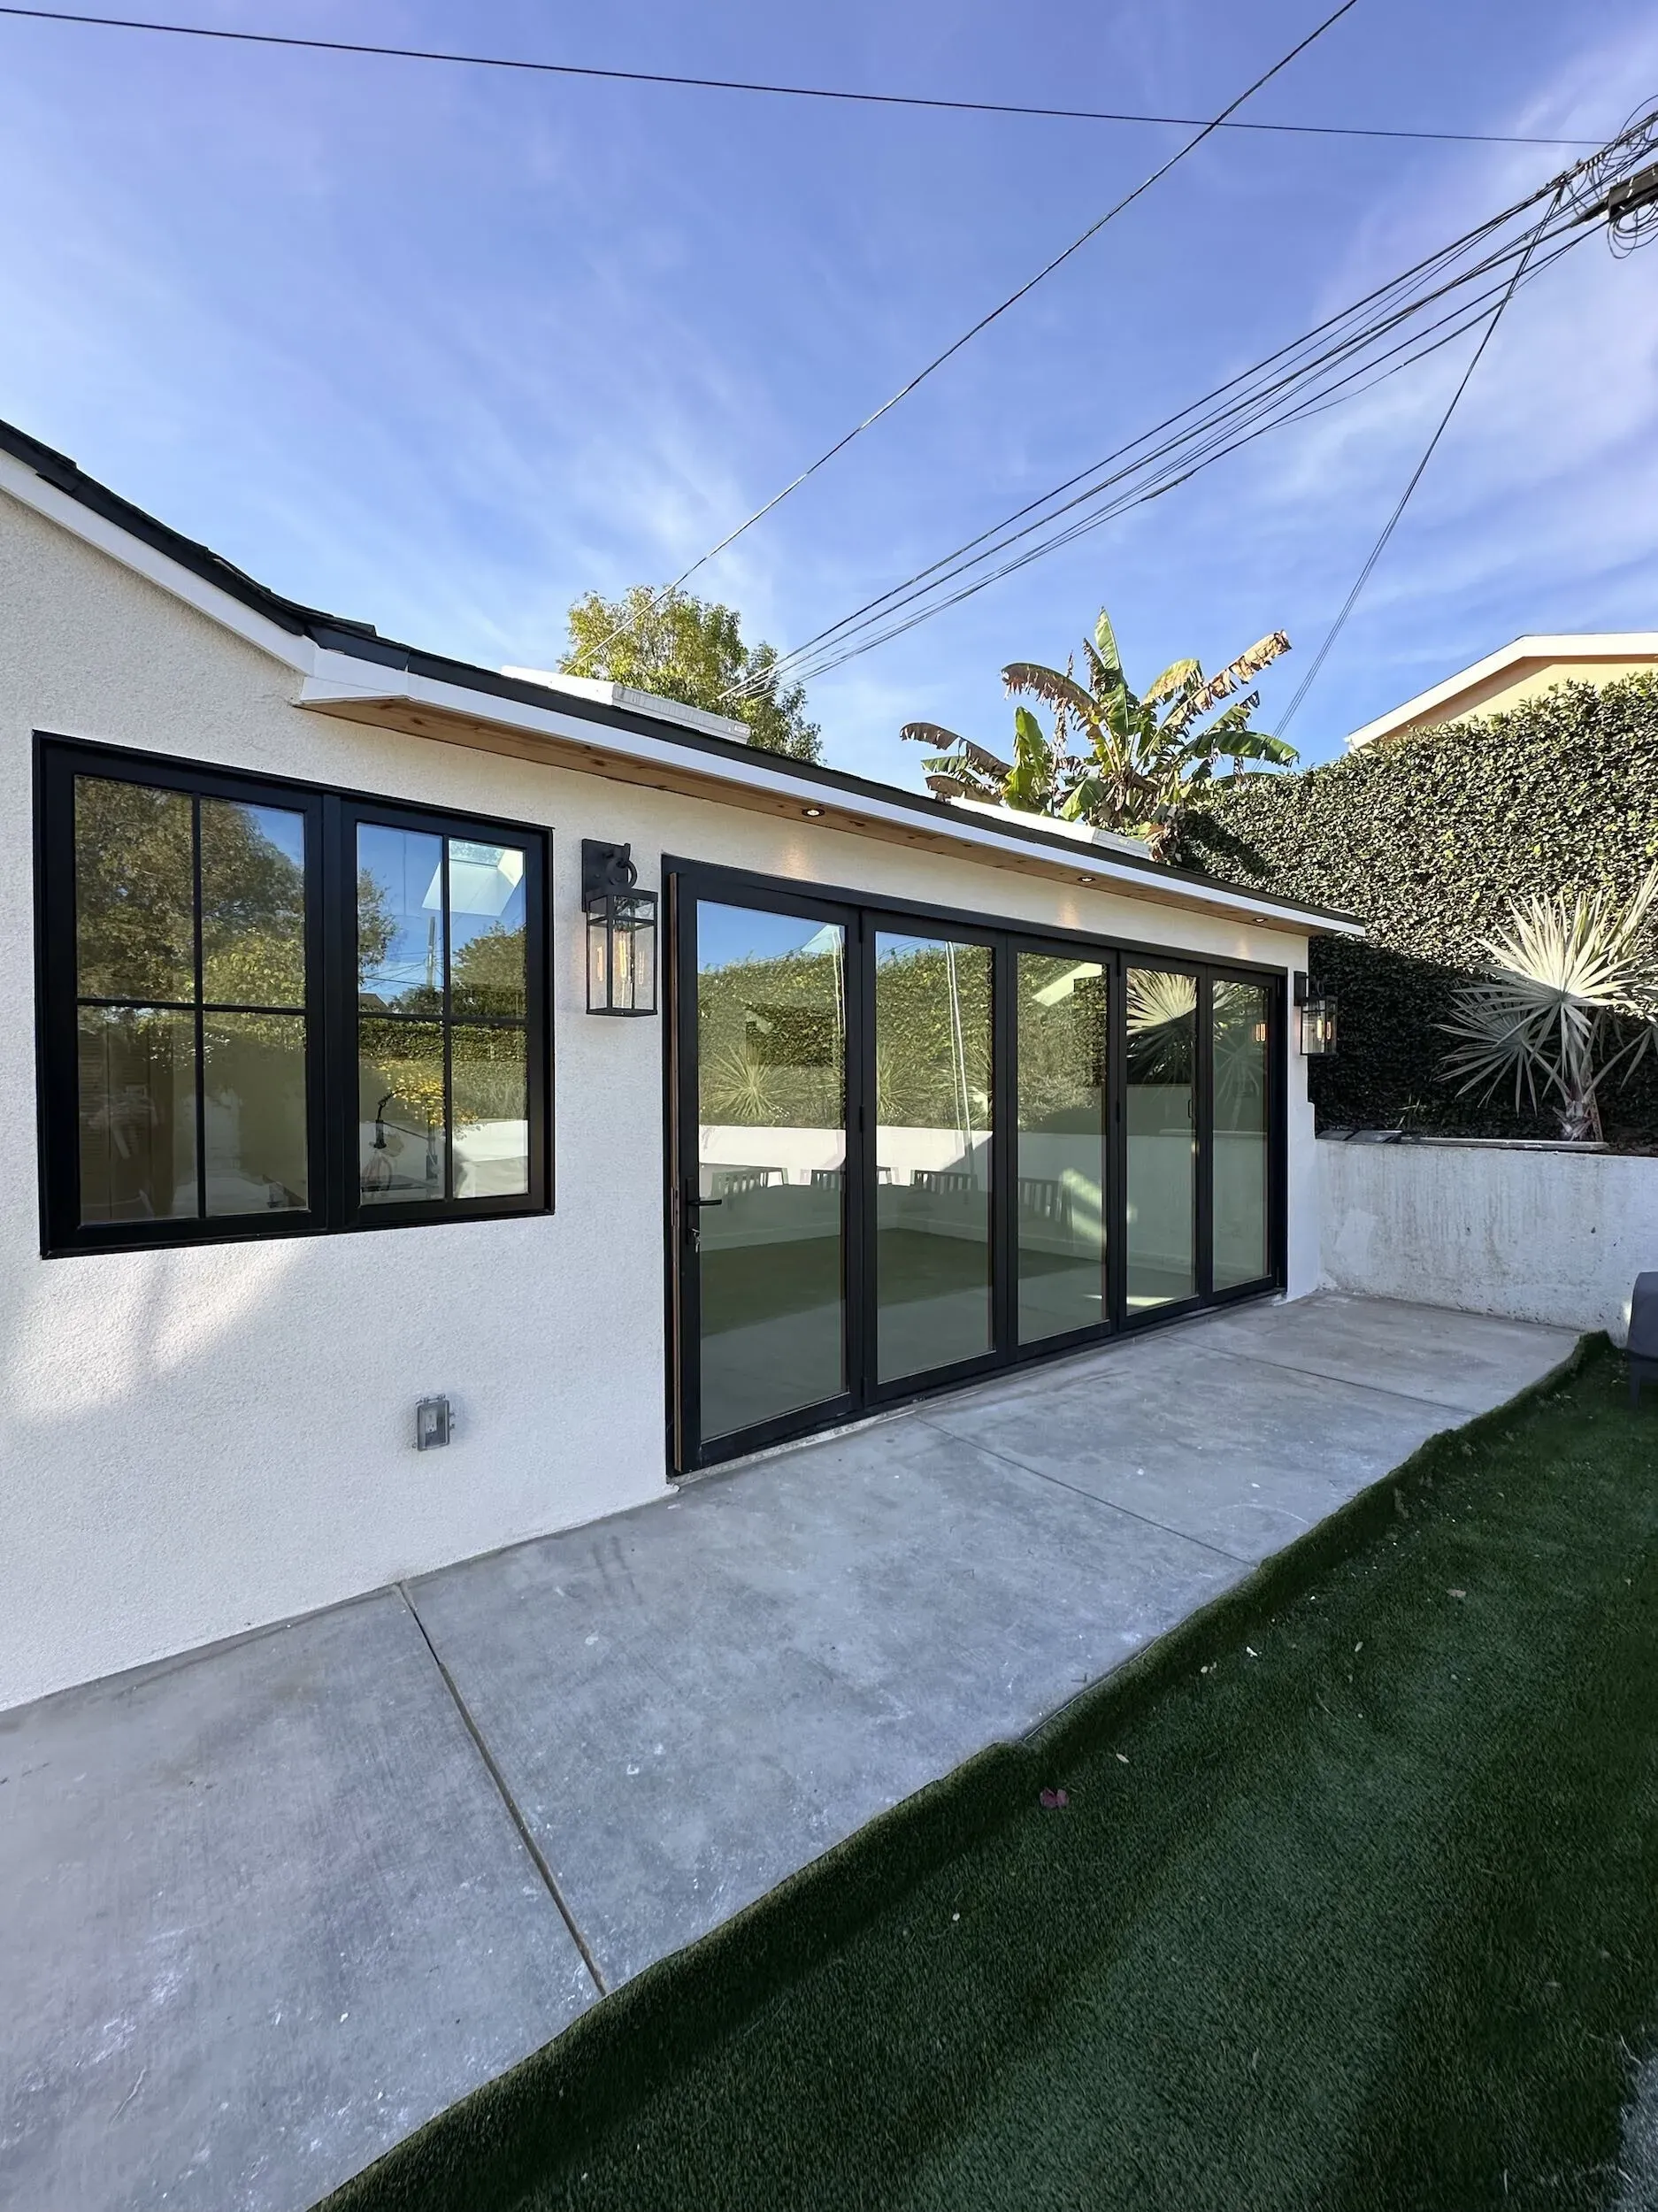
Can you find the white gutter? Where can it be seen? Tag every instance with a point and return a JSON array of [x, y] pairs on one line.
[[341, 680]]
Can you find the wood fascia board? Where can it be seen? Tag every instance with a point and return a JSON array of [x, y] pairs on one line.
[[444, 715]]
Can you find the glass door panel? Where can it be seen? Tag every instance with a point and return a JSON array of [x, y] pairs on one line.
[[772, 1153], [1160, 1073], [1059, 1191], [933, 1114], [1239, 1057]]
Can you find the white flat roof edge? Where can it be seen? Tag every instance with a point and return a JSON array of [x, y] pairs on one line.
[[341, 680], [1581, 645], [634, 701]]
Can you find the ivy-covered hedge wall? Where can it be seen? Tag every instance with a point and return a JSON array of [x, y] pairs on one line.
[[1428, 840]]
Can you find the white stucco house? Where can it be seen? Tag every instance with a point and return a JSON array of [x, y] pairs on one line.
[[356, 1070]]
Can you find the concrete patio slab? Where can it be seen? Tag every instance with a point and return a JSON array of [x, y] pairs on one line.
[[689, 1704], [1236, 1451], [261, 1913], [264, 1908], [1466, 1362]]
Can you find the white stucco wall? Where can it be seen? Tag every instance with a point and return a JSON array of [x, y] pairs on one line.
[[193, 1442], [1540, 1235]]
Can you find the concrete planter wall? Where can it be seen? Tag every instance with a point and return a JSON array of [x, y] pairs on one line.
[[1543, 1234]]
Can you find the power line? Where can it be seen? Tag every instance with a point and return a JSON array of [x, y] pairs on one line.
[[1309, 373], [778, 91], [1610, 183], [984, 321], [1392, 523], [1002, 533]]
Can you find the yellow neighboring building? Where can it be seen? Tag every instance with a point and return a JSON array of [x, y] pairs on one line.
[[1525, 669]]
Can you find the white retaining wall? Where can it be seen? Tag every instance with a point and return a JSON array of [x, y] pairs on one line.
[[1543, 1234]]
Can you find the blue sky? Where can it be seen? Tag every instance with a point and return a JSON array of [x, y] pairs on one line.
[[441, 350]]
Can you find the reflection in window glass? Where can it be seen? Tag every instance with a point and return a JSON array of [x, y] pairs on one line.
[[401, 1111], [134, 896], [444, 1100], [253, 905], [771, 1055], [1161, 1071], [156, 1144], [1239, 1048], [254, 1113], [489, 1084], [137, 1114], [400, 944], [932, 1112], [1059, 1199], [486, 929]]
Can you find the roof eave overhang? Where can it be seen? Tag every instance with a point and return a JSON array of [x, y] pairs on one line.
[[425, 707], [367, 679]]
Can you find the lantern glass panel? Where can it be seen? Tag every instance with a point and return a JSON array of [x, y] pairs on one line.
[[1319, 1028], [622, 954]]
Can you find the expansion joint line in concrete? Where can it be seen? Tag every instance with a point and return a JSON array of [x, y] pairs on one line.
[[1460, 1414], [505, 1794], [1090, 1497]]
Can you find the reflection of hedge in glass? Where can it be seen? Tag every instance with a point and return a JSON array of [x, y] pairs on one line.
[[1062, 1043], [933, 1038], [771, 1043], [745, 1081], [488, 1070], [490, 1074], [407, 1058]]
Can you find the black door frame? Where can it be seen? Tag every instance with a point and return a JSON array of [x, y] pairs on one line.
[[862, 914]]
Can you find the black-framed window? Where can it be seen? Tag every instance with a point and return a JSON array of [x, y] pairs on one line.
[[267, 1008]]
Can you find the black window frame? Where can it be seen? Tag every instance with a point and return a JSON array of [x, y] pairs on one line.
[[332, 816]]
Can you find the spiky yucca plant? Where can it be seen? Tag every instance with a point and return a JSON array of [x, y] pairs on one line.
[[1138, 756], [1571, 999]]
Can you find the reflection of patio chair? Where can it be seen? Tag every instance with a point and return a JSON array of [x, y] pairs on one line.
[[944, 1182], [736, 1182], [1045, 1198], [826, 1178]]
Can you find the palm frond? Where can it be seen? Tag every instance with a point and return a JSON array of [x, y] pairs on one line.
[[1049, 684], [1105, 645], [1177, 677], [1030, 782], [1261, 654], [1569, 978]]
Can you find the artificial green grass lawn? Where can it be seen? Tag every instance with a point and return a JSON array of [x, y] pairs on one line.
[[1353, 1904]]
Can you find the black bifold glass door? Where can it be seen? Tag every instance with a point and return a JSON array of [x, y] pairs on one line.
[[906, 1151]]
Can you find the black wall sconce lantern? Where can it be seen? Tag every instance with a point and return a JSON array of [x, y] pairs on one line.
[[621, 933], [1317, 1013]]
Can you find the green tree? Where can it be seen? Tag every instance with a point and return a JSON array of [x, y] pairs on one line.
[[690, 650], [1138, 758]]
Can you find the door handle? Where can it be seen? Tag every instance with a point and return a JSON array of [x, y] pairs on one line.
[[694, 1206]]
